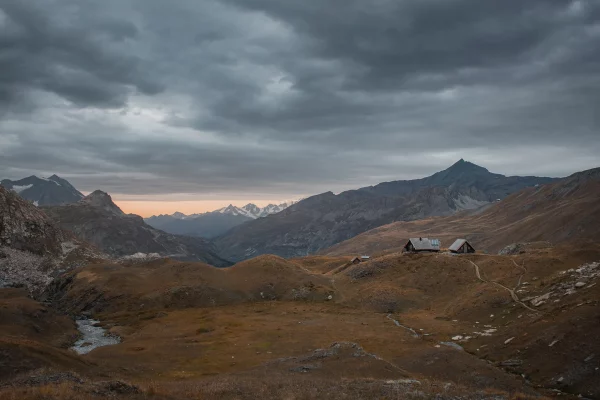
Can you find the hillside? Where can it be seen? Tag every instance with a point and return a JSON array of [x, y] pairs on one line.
[[96, 219], [168, 284], [564, 211], [321, 221], [44, 191], [397, 326], [208, 225]]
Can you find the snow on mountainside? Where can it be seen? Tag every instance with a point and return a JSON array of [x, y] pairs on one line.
[[215, 223], [44, 191], [249, 210], [253, 211]]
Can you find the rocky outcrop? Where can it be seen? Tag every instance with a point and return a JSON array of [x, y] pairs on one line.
[[33, 249], [25, 227]]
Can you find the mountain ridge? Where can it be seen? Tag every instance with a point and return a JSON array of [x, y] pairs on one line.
[[325, 219], [214, 223], [562, 211], [98, 220], [44, 191]]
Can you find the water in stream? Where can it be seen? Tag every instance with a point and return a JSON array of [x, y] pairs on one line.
[[92, 337]]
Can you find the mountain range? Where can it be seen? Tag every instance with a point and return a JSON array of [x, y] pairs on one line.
[[44, 191], [560, 212], [321, 221], [215, 223], [98, 220]]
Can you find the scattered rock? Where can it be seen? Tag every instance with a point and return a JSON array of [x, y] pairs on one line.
[[579, 285], [507, 341], [589, 358], [453, 345], [553, 343], [538, 301], [304, 368], [45, 379], [115, 387], [511, 363]]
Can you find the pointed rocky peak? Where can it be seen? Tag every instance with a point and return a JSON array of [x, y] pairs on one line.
[[179, 215], [252, 208], [461, 171], [102, 200], [462, 166]]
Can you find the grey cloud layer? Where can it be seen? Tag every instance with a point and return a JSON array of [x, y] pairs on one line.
[[292, 98]]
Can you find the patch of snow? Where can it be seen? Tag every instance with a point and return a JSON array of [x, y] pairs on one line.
[[464, 202], [141, 256], [19, 189], [36, 203]]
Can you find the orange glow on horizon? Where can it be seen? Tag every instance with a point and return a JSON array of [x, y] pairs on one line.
[[150, 208]]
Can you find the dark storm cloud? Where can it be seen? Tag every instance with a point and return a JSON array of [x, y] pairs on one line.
[[83, 61], [278, 96]]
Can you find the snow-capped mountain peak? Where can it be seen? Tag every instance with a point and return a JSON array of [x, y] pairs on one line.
[[44, 191], [252, 210], [179, 215], [249, 210]]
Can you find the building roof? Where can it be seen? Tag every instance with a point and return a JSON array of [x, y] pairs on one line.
[[457, 244], [365, 257], [425, 243]]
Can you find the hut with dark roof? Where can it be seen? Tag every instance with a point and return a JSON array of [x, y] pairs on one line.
[[417, 245], [461, 246], [358, 260]]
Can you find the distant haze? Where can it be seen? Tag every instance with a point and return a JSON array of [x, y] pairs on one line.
[[149, 208], [189, 105]]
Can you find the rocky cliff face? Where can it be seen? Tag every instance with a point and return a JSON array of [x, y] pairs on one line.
[[33, 248], [98, 220], [25, 227], [326, 219]]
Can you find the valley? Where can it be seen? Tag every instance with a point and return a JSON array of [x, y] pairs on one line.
[[385, 331], [167, 318], [299, 200]]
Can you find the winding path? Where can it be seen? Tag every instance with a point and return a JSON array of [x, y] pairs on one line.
[[513, 295]]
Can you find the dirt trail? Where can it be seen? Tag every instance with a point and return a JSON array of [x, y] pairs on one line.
[[513, 295]]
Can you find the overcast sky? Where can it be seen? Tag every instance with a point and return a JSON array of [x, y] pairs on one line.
[[203, 100]]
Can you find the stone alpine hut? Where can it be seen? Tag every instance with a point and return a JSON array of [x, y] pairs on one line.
[[422, 244], [461, 246]]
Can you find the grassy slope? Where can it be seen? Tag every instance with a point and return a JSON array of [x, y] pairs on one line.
[[185, 345], [566, 211]]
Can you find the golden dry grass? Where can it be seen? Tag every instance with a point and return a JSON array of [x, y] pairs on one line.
[[560, 212], [179, 348]]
